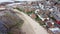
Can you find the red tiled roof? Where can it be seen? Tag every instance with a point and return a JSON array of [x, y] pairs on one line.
[[58, 22], [33, 15]]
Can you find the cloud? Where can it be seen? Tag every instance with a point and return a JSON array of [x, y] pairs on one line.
[[5, 1], [16, 0], [27, 0]]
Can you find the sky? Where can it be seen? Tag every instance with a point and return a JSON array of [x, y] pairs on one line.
[[4, 1], [16, 0]]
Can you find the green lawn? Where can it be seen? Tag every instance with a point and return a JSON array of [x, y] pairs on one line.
[[37, 18], [53, 18], [19, 9], [30, 12]]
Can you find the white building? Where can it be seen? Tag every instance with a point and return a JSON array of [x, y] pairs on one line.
[[36, 11], [43, 17], [2, 7], [41, 6]]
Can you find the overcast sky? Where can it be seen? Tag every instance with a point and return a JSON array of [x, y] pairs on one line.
[[17, 0], [4, 1]]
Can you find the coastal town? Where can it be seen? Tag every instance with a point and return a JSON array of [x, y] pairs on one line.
[[44, 13]]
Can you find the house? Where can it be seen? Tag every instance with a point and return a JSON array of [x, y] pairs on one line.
[[49, 8], [28, 9], [47, 12], [41, 6], [54, 30], [56, 15], [36, 11], [2, 7], [42, 14], [43, 17], [46, 5], [49, 23], [33, 16], [57, 5]]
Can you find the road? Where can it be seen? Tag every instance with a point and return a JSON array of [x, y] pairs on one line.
[[30, 26]]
